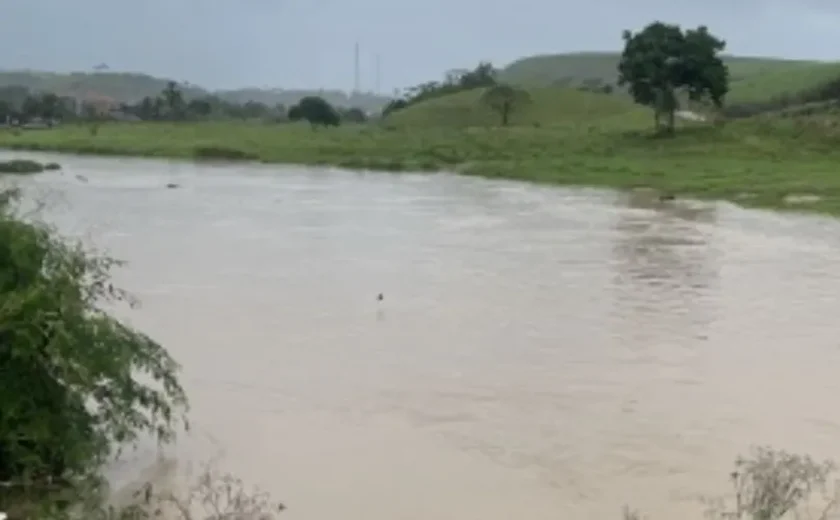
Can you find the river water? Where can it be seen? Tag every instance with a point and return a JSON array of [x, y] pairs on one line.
[[540, 353]]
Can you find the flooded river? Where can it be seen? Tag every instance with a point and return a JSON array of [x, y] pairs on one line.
[[539, 353]]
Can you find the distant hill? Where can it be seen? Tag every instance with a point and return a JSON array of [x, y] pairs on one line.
[[574, 68], [127, 87], [752, 80]]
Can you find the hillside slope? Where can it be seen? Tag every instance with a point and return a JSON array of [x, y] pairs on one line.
[[127, 87], [574, 68], [549, 105]]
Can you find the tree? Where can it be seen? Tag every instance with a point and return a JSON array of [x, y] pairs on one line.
[[31, 108], [174, 100], [483, 75], [661, 60], [14, 95], [69, 392], [504, 99], [50, 107], [316, 110], [6, 111], [200, 107], [457, 80]]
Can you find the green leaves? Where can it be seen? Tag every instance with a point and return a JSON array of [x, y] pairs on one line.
[[661, 60], [316, 110], [504, 99], [71, 374]]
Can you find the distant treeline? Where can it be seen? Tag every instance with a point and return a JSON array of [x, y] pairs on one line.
[[482, 76], [21, 106]]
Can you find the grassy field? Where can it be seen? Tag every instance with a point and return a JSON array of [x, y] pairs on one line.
[[755, 162], [548, 106]]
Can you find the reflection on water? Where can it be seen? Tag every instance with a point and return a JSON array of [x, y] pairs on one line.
[[666, 267], [539, 352]]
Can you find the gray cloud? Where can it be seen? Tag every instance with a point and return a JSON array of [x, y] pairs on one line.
[[222, 43]]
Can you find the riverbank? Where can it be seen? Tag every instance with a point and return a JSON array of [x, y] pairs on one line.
[[775, 164]]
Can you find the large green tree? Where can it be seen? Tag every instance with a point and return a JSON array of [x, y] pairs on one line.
[[75, 383], [662, 61]]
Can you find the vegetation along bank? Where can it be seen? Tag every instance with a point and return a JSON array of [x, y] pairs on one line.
[[69, 397], [684, 118]]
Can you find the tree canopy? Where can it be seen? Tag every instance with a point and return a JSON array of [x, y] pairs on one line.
[[316, 110], [504, 99], [483, 75], [76, 382], [661, 61]]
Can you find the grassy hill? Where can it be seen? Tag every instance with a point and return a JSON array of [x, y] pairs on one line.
[[131, 87], [549, 105], [793, 79], [573, 68], [759, 82]]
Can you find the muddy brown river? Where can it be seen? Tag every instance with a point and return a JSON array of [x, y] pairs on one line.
[[539, 353]]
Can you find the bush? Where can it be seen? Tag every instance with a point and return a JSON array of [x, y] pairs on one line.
[[22, 166], [69, 396], [770, 484], [213, 496]]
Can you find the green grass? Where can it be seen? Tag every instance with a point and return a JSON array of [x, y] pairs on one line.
[[548, 105], [548, 69], [756, 162], [752, 79], [775, 83]]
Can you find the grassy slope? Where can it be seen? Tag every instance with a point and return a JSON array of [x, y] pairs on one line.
[[549, 68], [130, 87], [549, 105], [753, 79], [752, 161]]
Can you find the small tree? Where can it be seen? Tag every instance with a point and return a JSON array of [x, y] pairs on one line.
[[661, 60], [504, 99], [173, 98], [316, 110]]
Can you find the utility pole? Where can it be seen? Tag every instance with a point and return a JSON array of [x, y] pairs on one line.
[[356, 70], [378, 75]]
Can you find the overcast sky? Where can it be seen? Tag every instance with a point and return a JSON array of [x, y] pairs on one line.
[[309, 43]]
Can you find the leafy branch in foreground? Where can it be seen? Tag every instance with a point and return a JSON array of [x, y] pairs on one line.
[[77, 383]]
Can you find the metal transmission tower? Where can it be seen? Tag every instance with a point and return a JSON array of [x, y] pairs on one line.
[[378, 82], [356, 69]]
